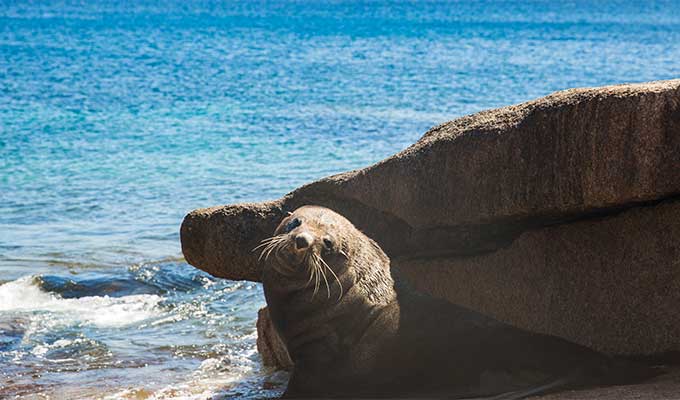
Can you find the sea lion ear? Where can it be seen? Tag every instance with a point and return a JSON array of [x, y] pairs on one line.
[[288, 213]]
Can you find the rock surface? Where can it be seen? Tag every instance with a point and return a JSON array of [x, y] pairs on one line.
[[610, 283], [556, 215], [473, 184], [666, 387]]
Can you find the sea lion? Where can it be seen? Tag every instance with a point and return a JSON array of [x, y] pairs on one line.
[[353, 329]]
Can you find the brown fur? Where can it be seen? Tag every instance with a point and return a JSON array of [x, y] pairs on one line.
[[362, 333]]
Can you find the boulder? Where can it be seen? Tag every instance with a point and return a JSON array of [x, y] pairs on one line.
[[556, 215], [220, 240], [474, 184], [610, 283]]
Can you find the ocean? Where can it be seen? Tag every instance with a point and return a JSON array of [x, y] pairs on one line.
[[118, 118]]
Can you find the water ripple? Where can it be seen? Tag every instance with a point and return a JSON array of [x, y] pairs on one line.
[[117, 118]]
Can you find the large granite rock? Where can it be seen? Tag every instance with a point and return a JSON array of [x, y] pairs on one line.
[[475, 183], [556, 215], [611, 283]]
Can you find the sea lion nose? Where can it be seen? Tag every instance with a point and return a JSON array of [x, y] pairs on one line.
[[303, 240]]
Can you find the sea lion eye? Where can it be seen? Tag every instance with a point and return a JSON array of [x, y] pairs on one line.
[[292, 224], [328, 243]]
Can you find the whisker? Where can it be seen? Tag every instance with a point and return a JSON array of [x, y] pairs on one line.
[[314, 274], [277, 251], [276, 246], [310, 269], [317, 279], [268, 244], [323, 274], [314, 262], [262, 253], [336, 277], [266, 250], [268, 240]]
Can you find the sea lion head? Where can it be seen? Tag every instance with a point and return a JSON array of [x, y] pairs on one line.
[[316, 249]]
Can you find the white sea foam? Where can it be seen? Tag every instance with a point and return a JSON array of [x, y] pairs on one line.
[[42, 349], [208, 381], [24, 295], [204, 384]]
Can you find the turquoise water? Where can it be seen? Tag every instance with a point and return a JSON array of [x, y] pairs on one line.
[[117, 119]]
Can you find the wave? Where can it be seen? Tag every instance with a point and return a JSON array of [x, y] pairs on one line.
[[158, 277], [96, 286], [171, 275], [233, 376], [25, 295], [108, 329]]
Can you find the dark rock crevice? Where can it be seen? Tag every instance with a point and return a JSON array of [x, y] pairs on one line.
[[460, 241]]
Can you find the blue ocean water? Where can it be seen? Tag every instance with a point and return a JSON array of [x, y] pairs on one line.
[[117, 118]]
